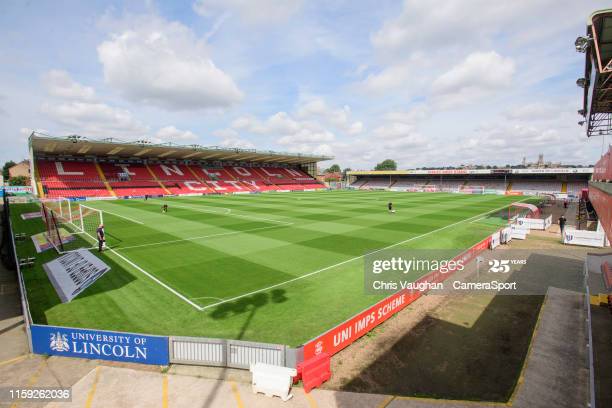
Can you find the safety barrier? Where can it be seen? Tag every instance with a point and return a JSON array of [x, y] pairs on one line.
[[229, 353]]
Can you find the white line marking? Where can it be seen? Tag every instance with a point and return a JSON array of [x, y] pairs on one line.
[[481, 218], [232, 214], [157, 280], [151, 276], [200, 237], [121, 216], [349, 260], [206, 297]]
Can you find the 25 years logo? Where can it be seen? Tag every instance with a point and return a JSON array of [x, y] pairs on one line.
[[499, 266]]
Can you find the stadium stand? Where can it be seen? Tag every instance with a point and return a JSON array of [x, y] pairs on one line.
[[70, 179], [61, 178], [528, 181], [545, 186], [487, 184], [575, 187]]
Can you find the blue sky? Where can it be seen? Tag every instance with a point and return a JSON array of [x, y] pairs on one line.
[[464, 81]]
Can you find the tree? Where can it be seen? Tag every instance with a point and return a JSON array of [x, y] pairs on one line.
[[5, 169], [334, 168], [19, 181], [386, 165]]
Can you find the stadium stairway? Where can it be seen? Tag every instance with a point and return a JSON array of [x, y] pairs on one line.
[[242, 183], [104, 180], [198, 178], [39, 185], [509, 186], [156, 179]]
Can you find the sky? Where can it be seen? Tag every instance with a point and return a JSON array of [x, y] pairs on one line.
[[424, 83]]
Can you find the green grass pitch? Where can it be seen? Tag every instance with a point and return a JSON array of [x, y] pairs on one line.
[[278, 267]]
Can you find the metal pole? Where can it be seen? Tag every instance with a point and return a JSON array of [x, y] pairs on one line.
[[81, 214]]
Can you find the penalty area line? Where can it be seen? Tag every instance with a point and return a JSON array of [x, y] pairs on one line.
[[222, 234], [138, 268], [350, 260], [176, 293], [120, 216]]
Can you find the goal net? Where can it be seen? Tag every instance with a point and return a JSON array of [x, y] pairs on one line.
[[423, 188], [78, 218], [51, 229], [472, 189], [90, 219]]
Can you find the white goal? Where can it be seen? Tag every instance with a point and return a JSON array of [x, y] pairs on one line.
[[80, 218], [470, 189]]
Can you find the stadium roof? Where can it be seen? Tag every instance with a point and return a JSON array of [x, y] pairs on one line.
[[450, 172], [597, 83], [75, 145]]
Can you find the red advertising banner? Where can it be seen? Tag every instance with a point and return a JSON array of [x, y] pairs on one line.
[[346, 333], [602, 202], [603, 168]]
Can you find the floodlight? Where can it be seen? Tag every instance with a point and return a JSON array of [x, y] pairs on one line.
[[581, 82], [581, 123], [581, 112], [582, 43]]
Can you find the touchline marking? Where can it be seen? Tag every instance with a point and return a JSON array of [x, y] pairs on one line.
[[349, 260], [156, 280], [200, 237], [206, 297], [152, 277]]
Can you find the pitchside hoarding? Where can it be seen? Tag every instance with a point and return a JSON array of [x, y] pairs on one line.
[[346, 333], [98, 344]]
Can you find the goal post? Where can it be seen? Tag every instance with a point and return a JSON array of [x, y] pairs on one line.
[[89, 220], [51, 227], [472, 189]]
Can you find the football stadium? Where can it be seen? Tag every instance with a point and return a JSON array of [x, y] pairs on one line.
[[160, 271]]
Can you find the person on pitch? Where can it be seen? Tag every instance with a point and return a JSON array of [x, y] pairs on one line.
[[165, 208], [100, 236], [390, 206], [562, 222]]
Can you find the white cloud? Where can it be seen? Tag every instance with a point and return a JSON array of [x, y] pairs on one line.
[[58, 83], [172, 134], [24, 133], [249, 11], [453, 23], [387, 79], [317, 109], [94, 119], [164, 64], [305, 136], [479, 75], [237, 143], [535, 111], [231, 138], [323, 149]]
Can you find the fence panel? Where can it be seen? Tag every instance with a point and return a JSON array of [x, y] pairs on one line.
[[198, 350], [241, 354], [225, 353]]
